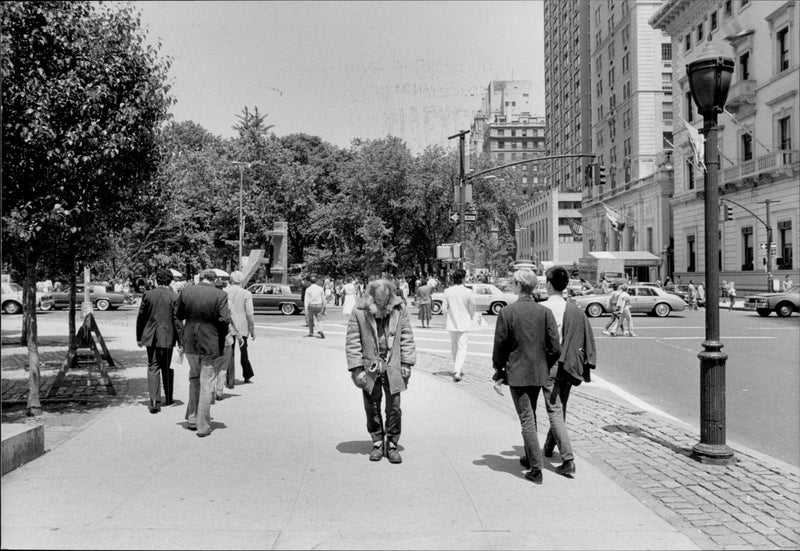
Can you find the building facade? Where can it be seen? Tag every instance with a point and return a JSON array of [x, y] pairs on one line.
[[544, 234], [758, 135]]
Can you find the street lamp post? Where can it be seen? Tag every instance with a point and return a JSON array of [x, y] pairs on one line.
[[241, 165], [709, 80]]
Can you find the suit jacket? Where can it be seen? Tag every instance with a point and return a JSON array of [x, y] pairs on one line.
[[526, 343], [578, 353], [240, 303], [459, 307], [361, 344], [156, 324], [205, 309]]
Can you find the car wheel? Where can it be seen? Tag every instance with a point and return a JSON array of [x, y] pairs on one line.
[[436, 307], [288, 309], [594, 310], [662, 310], [784, 309], [12, 307], [102, 304], [496, 307], [44, 308], [763, 312]]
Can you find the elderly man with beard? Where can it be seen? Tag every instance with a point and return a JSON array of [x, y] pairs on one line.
[[380, 352]]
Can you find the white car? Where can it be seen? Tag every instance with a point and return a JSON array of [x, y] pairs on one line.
[[487, 297], [12, 299]]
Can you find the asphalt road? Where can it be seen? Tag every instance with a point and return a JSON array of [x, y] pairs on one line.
[[656, 370]]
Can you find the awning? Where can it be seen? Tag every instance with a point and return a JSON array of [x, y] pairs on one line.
[[630, 258]]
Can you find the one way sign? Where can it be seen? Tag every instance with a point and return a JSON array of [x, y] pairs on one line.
[[454, 217]]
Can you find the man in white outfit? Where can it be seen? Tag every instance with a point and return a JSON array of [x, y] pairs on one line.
[[459, 308]]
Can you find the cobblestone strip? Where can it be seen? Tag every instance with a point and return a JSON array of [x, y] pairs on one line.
[[745, 505]]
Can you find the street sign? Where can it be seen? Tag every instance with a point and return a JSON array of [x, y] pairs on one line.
[[454, 217], [468, 217], [763, 245]]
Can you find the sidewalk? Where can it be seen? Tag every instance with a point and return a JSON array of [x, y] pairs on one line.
[[289, 469]]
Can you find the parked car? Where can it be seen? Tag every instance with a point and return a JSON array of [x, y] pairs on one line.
[[540, 292], [487, 297], [12, 299], [783, 303], [269, 297], [102, 296], [644, 300]]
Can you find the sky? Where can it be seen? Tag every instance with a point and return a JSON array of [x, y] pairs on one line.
[[345, 70]]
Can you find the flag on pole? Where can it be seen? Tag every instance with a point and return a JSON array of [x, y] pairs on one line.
[[575, 228], [696, 141], [615, 218], [744, 129]]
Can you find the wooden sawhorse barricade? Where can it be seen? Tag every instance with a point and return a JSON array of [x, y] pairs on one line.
[[79, 356]]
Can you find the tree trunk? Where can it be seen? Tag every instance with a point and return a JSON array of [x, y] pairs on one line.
[[73, 279], [23, 339], [34, 406]]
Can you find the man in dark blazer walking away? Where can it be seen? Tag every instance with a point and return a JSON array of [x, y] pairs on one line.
[[527, 345], [205, 309], [158, 328]]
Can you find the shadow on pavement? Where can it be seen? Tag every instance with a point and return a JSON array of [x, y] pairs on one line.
[[360, 447], [507, 462], [637, 431]]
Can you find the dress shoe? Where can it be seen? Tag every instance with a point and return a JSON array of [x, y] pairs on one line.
[[247, 381], [377, 452], [191, 427], [393, 455], [567, 468], [534, 476], [155, 407], [308, 335], [169, 402], [321, 335], [219, 396], [457, 377], [524, 462], [203, 434]]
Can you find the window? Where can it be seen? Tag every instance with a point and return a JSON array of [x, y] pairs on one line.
[[666, 111], [700, 32], [625, 64], [599, 138], [747, 147], [666, 140], [688, 109], [649, 232], [626, 35], [691, 255], [688, 42], [525, 168], [611, 25], [501, 144], [599, 112], [744, 66], [599, 87], [728, 7], [500, 131], [612, 102], [598, 39], [611, 52], [666, 51], [666, 81], [536, 168], [783, 49], [626, 90], [524, 179], [784, 133], [745, 2], [785, 243], [714, 20], [689, 174], [747, 248], [626, 147], [626, 119], [597, 16], [513, 133]]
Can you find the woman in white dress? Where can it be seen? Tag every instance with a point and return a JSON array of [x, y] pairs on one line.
[[349, 291]]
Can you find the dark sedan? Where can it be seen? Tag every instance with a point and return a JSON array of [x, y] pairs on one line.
[[269, 297], [102, 297]]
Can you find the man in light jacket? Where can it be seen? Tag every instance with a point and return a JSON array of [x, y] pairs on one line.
[[240, 302], [380, 353], [459, 308]]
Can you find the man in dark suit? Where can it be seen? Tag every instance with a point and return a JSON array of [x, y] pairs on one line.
[[159, 330], [205, 309], [527, 345]]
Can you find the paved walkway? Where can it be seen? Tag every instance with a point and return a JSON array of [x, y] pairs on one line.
[[286, 467]]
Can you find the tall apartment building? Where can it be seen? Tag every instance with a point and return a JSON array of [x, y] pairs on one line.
[[758, 137], [544, 234], [506, 130]]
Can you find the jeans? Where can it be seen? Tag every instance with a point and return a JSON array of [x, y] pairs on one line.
[[201, 390], [525, 398], [372, 407], [458, 348], [562, 391], [159, 360]]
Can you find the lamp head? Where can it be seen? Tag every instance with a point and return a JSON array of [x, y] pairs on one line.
[[709, 80]]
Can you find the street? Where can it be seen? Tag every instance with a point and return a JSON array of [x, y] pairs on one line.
[[657, 370]]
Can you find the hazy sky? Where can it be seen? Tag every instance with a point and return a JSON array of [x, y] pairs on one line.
[[341, 70]]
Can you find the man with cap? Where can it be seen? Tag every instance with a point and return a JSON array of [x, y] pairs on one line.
[[240, 302]]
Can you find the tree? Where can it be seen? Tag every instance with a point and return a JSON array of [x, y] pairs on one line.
[[83, 99]]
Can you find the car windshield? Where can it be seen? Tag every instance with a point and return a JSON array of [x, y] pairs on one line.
[[793, 289], [12, 287]]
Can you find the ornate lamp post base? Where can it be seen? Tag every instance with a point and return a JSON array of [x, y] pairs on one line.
[[712, 448]]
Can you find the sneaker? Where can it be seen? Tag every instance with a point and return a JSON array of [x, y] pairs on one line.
[[392, 454], [605, 332], [377, 452], [534, 476]]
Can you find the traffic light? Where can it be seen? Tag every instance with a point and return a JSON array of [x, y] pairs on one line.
[[599, 175], [728, 212]]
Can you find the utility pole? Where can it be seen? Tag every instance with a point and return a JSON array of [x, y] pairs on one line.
[[768, 224], [462, 181]]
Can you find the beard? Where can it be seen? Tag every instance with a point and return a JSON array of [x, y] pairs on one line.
[[377, 311]]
